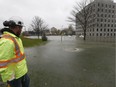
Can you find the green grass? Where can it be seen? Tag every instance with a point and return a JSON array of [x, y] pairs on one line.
[[27, 42]]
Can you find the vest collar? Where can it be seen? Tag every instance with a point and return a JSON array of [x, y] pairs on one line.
[[9, 34]]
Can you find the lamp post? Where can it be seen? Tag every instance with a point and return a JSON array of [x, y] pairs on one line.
[[61, 33]]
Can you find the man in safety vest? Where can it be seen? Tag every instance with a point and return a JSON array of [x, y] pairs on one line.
[[13, 67]]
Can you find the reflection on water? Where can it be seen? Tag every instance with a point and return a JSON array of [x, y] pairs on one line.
[[57, 38], [73, 49]]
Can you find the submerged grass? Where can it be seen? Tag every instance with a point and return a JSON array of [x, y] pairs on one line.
[[27, 42]]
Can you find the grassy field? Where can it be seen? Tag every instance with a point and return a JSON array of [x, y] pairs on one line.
[[27, 42]]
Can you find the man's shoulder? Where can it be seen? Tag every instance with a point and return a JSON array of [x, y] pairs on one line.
[[5, 41]]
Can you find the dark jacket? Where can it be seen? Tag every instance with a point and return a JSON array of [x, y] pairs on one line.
[[8, 30]]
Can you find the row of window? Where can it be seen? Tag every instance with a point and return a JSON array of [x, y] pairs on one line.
[[102, 20], [106, 20], [102, 25], [106, 15], [103, 30], [102, 34], [106, 25], [105, 5], [105, 10]]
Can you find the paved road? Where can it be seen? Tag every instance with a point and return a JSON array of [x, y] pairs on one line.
[[71, 63]]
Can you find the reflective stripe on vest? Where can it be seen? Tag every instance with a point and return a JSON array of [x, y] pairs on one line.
[[19, 55]]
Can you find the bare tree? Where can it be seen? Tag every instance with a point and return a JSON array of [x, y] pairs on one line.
[[81, 15], [38, 25]]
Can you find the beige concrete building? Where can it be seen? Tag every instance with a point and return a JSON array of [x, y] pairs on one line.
[[103, 25]]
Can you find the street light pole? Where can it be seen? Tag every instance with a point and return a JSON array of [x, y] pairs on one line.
[[61, 33]]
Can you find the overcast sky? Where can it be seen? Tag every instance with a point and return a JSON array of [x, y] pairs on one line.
[[53, 12]]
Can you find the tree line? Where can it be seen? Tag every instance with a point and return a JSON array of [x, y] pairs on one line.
[[52, 31]]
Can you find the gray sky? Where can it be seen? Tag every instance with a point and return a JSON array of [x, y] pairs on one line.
[[53, 12]]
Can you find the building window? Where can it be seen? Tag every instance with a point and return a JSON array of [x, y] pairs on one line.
[[101, 15], [112, 11], [109, 6], [105, 20], [104, 25], [107, 34], [105, 15], [106, 5], [100, 34], [100, 29], [108, 30], [101, 25], [97, 25], [97, 34], [101, 20], [111, 34], [102, 5], [102, 10], [93, 29], [98, 9], [98, 4], [97, 29], [111, 30], [112, 25], [104, 29]]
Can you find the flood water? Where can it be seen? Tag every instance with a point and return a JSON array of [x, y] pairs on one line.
[[71, 63]]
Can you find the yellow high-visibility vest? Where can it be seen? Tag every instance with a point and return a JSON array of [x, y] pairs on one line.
[[12, 57]]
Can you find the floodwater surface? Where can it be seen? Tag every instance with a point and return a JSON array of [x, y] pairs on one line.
[[71, 63]]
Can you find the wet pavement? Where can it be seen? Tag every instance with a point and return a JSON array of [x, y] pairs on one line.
[[71, 63]]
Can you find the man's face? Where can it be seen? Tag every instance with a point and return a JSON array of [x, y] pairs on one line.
[[19, 29]]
